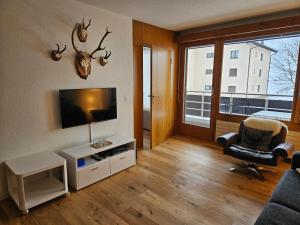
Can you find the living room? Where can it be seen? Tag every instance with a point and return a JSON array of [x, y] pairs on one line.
[[150, 112]]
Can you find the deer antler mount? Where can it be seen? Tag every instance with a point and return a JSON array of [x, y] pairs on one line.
[[57, 54], [83, 58], [82, 30]]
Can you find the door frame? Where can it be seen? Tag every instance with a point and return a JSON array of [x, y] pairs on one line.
[[190, 129], [151, 96]]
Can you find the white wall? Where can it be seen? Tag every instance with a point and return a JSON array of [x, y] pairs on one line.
[[146, 77], [146, 87], [29, 115]]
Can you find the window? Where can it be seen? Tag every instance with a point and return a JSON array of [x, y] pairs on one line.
[[209, 55], [208, 71], [231, 89], [234, 54], [274, 95], [232, 72], [207, 88], [197, 91]]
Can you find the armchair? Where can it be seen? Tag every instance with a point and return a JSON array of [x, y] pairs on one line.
[[233, 145]]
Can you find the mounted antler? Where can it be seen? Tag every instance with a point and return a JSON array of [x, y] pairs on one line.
[[83, 60], [104, 59], [57, 54], [82, 30], [75, 48], [88, 23], [99, 48]]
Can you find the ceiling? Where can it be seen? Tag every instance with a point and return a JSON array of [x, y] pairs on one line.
[[185, 14]]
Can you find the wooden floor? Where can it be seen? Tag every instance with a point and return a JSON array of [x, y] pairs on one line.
[[182, 181]]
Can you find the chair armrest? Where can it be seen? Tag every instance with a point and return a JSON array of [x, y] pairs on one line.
[[228, 139], [283, 149], [296, 160]]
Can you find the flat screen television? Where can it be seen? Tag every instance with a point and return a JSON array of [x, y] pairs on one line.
[[84, 106]]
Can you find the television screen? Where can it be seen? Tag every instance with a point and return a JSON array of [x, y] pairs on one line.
[[83, 106]]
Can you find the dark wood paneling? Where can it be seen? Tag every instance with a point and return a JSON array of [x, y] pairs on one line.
[[284, 25], [138, 82], [296, 106]]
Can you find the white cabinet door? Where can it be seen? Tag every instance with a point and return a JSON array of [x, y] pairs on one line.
[[93, 173], [122, 161]]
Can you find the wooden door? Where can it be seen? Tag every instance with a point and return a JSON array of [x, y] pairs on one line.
[[162, 83], [199, 83]]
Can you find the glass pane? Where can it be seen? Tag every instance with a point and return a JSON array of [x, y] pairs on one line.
[[260, 81], [198, 85]]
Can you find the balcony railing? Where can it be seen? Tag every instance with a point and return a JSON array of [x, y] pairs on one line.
[[198, 104]]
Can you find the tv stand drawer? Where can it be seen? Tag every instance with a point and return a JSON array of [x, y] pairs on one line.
[[93, 173], [122, 161]]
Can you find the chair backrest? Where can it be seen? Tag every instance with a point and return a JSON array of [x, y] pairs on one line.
[[279, 129]]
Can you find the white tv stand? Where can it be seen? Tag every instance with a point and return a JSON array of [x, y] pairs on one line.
[[113, 160]]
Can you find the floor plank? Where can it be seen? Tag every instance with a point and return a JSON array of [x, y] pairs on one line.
[[182, 181]]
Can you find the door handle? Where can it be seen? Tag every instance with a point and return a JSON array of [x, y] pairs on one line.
[[94, 168]]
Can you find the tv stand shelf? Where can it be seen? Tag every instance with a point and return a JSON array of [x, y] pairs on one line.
[[99, 163]]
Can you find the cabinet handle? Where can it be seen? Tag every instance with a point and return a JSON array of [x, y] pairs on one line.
[[94, 168], [123, 157]]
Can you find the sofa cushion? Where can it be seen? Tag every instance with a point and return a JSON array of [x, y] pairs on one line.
[[287, 191], [256, 139], [275, 214]]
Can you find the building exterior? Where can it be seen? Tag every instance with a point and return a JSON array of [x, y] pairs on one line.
[[245, 69], [244, 85]]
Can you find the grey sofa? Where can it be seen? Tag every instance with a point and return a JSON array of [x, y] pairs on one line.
[[284, 206]]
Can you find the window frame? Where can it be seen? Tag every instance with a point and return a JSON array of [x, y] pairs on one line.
[[231, 86], [294, 122], [190, 129], [209, 55], [262, 29], [207, 89], [233, 69], [212, 71], [235, 55]]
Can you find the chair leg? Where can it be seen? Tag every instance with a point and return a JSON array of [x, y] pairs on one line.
[[258, 174], [257, 170], [264, 169]]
